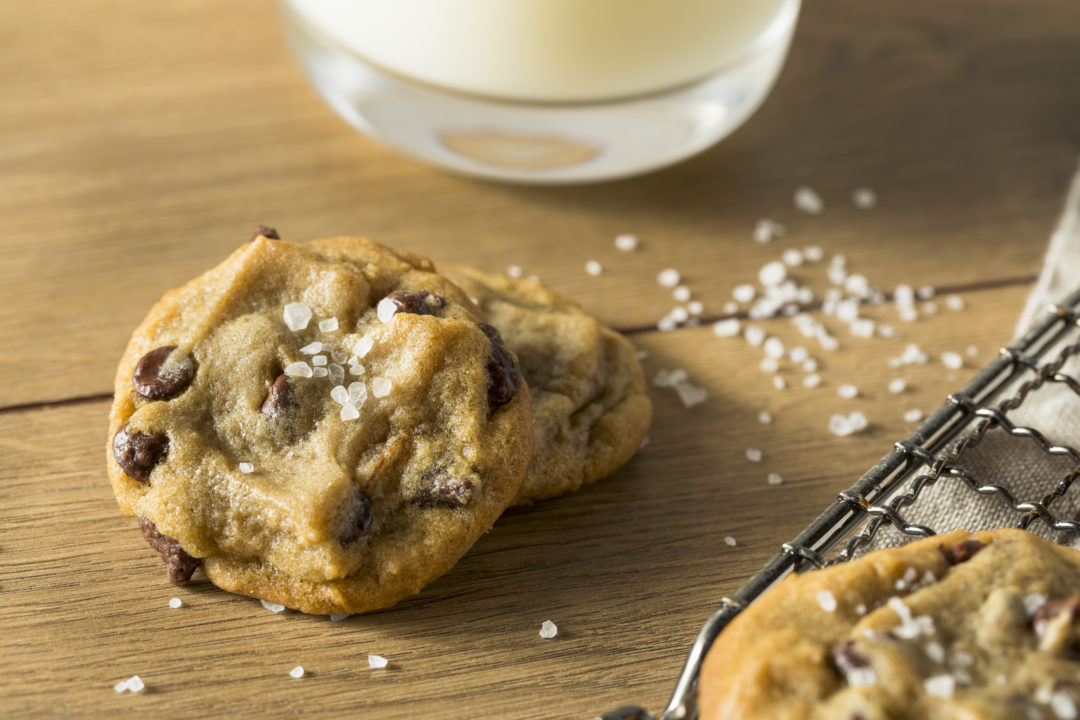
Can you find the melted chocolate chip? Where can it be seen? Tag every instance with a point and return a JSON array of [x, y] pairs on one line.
[[1051, 609], [503, 372], [363, 517], [439, 487], [281, 398], [138, 454], [265, 231], [417, 303], [181, 565], [152, 384], [961, 551]]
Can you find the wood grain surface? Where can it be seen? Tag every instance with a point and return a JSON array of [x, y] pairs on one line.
[[140, 143]]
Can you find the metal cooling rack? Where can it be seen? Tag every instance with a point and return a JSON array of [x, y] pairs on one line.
[[894, 484]]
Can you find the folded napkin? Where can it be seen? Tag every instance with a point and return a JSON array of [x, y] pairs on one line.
[[1019, 464]]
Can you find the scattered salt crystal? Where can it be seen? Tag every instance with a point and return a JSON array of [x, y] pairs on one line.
[[827, 341], [857, 284], [1033, 602], [827, 601], [942, 686], [681, 293], [297, 672], [886, 331], [319, 361], [134, 684], [908, 314], [774, 348], [320, 372], [929, 308], [666, 324], [963, 658], [847, 391], [744, 293], [357, 393], [798, 354], [730, 308], [894, 362], [338, 356], [935, 651], [363, 346], [778, 382], [348, 412], [726, 328], [952, 360], [385, 310], [754, 335], [336, 374], [515, 271], [669, 277], [593, 268], [809, 201], [312, 348], [247, 468], [339, 394], [272, 606], [668, 378], [772, 274], [338, 618], [847, 310], [774, 479], [1063, 706], [695, 307], [836, 274], [864, 198], [380, 387], [548, 630], [730, 541], [897, 386], [769, 365], [753, 455], [812, 380], [904, 296], [679, 314], [925, 292], [377, 662], [913, 415], [626, 242], [298, 369], [297, 316], [766, 230], [690, 394], [862, 327], [972, 351], [813, 253], [858, 421], [860, 609], [120, 686], [175, 603], [764, 418], [809, 365], [792, 257], [954, 302], [840, 426], [328, 325]]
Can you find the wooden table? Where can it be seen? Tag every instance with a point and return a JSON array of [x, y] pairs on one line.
[[140, 142]]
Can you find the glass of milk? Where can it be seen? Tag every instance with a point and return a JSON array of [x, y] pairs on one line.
[[543, 91]]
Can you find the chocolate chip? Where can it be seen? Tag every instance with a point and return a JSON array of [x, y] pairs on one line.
[[281, 398], [362, 518], [152, 384], [417, 303], [267, 232], [439, 487], [1051, 609], [138, 454], [961, 551], [181, 565], [503, 372]]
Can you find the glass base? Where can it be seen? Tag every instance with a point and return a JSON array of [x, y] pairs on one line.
[[539, 142]]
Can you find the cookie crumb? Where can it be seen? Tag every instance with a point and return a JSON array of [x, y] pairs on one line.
[[328, 325], [548, 630], [338, 618], [297, 672], [297, 316], [175, 603], [272, 606], [377, 662], [626, 242], [594, 268]]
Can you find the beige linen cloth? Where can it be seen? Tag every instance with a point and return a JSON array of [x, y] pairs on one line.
[[1018, 463]]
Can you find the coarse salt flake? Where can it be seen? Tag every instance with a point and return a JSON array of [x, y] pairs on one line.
[[774, 478], [297, 672], [925, 292], [681, 293], [247, 468], [847, 391], [515, 271], [338, 618], [1063, 706], [336, 374], [312, 348], [272, 606], [348, 412], [769, 365], [175, 603], [690, 394], [792, 257], [363, 346], [813, 253], [135, 684], [669, 277], [812, 380], [744, 293], [972, 351], [897, 385], [952, 360], [753, 455], [774, 348], [297, 316], [764, 418], [695, 307], [778, 382], [679, 314], [298, 369], [592, 267], [357, 393], [626, 242], [767, 230], [772, 274], [385, 310], [954, 302], [328, 325], [319, 361], [320, 372], [807, 200], [913, 415], [942, 686], [380, 387], [729, 541], [827, 601], [548, 630], [377, 662], [339, 394]]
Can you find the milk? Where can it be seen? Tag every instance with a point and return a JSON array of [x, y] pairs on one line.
[[551, 51]]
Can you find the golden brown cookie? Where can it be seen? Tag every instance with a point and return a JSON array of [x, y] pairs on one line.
[[590, 407], [327, 426], [953, 626]]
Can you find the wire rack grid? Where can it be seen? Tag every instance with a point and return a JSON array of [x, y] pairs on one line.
[[884, 496]]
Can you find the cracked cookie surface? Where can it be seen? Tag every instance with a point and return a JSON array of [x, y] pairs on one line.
[[329, 426], [979, 627], [589, 402]]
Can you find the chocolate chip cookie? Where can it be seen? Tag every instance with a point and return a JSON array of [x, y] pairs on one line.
[[328, 426], [953, 626], [589, 403]]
